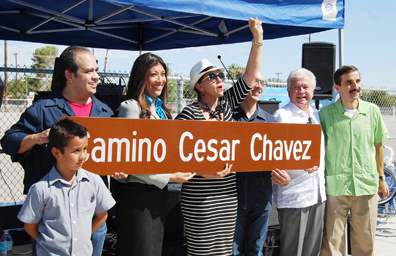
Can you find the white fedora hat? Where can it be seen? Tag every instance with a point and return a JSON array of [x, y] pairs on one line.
[[201, 68]]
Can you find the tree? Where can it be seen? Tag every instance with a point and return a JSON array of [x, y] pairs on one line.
[[235, 70], [12, 89], [43, 58], [172, 88], [275, 80]]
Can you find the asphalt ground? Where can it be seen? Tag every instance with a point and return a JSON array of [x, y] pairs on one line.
[[385, 240]]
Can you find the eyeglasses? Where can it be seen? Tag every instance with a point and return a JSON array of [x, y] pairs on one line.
[[260, 82], [213, 77], [309, 120]]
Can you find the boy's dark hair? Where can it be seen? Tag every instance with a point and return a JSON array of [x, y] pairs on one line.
[[343, 70], [63, 131]]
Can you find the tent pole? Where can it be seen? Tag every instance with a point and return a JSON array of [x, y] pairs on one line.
[[341, 46], [341, 62]]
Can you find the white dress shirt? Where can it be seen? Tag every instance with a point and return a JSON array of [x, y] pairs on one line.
[[304, 189]]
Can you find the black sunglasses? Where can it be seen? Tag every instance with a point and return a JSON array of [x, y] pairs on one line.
[[213, 77]]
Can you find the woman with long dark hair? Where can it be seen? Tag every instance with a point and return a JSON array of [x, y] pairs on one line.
[[142, 199]]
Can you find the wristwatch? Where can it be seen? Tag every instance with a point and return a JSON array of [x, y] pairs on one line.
[[381, 177]]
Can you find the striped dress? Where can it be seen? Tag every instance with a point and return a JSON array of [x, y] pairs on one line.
[[209, 206]]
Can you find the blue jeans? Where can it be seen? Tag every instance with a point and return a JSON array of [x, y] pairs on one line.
[[250, 232], [97, 239]]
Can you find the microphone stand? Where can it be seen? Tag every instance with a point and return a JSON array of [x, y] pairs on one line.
[[228, 73]]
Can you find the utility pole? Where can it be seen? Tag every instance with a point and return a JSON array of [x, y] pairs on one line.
[[105, 64], [278, 75], [16, 75], [309, 38], [26, 86]]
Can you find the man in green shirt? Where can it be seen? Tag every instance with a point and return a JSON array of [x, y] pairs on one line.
[[354, 132]]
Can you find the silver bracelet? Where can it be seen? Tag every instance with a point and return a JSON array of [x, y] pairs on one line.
[[257, 43]]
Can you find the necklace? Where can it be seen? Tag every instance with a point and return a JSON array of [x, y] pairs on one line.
[[218, 113]]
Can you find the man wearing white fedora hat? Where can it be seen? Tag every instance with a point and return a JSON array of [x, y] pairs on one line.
[[209, 200]]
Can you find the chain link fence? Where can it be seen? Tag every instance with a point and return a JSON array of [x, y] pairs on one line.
[[23, 83]]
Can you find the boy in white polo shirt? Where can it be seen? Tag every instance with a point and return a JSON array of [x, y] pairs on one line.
[[58, 209]]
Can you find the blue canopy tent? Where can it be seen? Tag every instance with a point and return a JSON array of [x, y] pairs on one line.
[[142, 25], [161, 24]]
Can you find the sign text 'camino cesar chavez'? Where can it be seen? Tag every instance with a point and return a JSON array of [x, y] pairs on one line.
[[144, 146]]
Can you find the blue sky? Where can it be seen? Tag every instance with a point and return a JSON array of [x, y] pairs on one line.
[[369, 40]]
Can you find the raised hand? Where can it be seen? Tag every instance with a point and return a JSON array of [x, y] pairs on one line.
[[256, 27]]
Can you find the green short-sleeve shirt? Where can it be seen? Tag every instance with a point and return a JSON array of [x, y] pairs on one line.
[[351, 168]]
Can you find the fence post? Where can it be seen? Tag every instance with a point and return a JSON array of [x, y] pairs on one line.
[[179, 95]]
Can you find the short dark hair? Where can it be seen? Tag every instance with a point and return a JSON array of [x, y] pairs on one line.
[[67, 61], [63, 131], [343, 70]]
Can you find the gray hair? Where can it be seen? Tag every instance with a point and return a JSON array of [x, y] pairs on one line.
[[301, 73]]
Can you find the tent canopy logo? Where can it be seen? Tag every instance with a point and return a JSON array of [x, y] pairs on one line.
[[329, 9]]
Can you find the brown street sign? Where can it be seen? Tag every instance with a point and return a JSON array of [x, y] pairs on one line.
[[144, 146]]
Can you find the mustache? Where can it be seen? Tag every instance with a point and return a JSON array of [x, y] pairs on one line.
[[354, 90]]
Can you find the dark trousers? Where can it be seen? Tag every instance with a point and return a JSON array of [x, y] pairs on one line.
[[140, 218], [302, 230]]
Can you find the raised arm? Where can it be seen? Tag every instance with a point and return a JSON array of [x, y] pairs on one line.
[[256, 52], [236, 94]]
